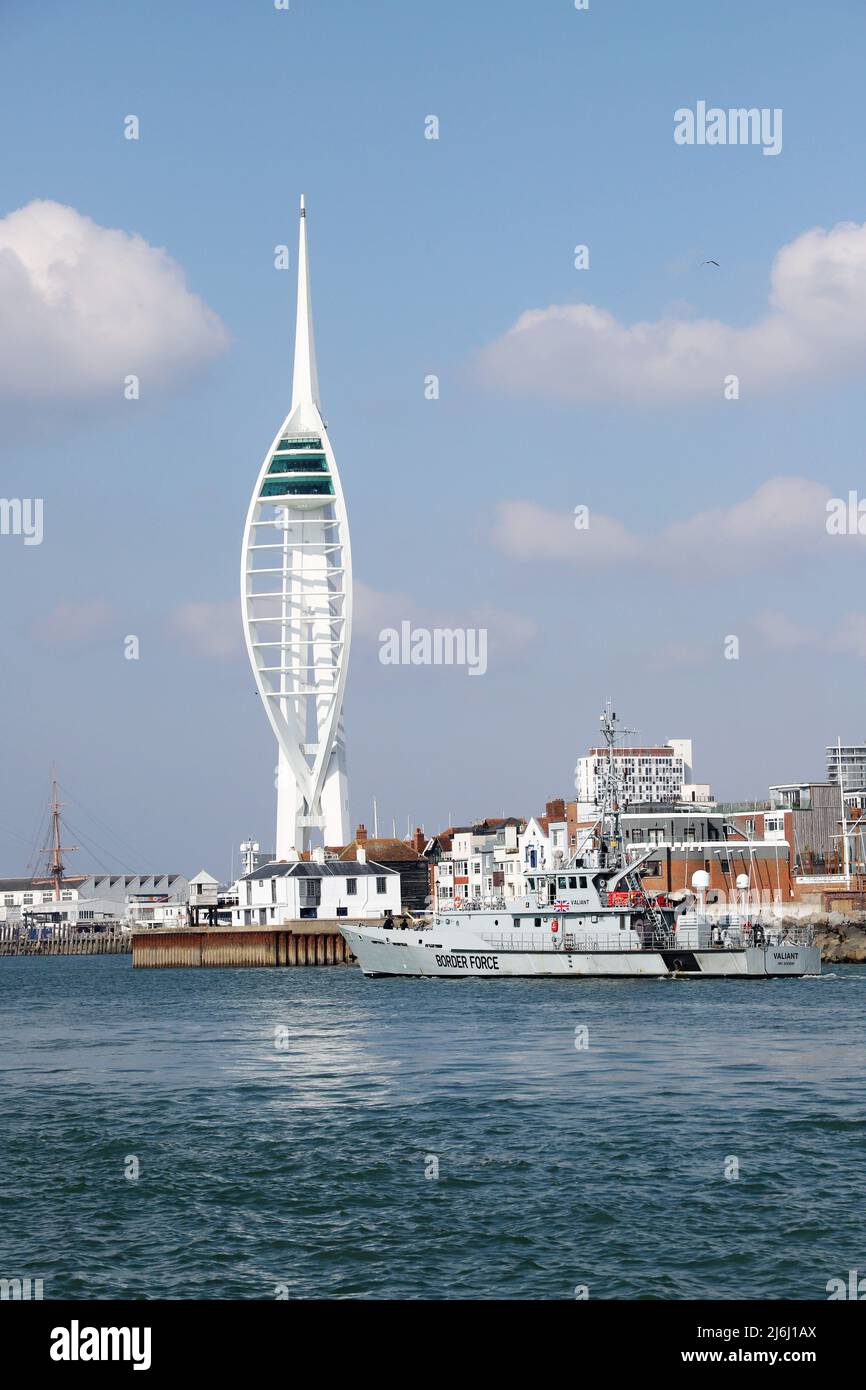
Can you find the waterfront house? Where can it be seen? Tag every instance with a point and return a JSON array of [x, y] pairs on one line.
[[325, 889], [407, 857]]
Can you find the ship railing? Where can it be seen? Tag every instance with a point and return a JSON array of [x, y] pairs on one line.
[[648, 940], [536, 941], [734, 931], [474, 905]]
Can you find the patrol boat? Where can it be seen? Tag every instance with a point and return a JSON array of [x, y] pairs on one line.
[[591, 917]]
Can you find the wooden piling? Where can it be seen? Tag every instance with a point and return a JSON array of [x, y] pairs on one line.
[[65, 941]]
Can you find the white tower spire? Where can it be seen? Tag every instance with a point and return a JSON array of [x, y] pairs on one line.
[[296, 596], [305, 380]]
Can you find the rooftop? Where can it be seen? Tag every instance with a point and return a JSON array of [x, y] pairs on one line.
[[330, 868], [381, 849]]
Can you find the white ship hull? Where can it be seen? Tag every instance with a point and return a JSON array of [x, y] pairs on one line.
[[459, 953]]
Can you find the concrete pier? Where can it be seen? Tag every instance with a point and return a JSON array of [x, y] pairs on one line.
[[290, 943]]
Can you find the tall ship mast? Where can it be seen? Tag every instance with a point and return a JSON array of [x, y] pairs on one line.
[[56, 850]]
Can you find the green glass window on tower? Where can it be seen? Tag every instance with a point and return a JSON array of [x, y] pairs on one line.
[[295, 487], [282, 464]]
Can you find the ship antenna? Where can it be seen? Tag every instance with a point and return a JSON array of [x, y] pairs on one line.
[[610, 807]]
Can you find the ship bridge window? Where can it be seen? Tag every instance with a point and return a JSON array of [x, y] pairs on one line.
[[538, 921], [583, 880], [561, 882], [572, 882], [531, 882]]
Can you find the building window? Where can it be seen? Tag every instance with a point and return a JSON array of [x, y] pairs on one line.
[[351, 886], [381, 885], [9, 900], [27, 899], [273, 891]]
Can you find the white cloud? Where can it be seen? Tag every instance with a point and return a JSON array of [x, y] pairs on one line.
[[814, 326], [213, 629], [83, 306], [747, 533], [509, 633], [73, 621], [778, 630], [848, 636], [529, 531]]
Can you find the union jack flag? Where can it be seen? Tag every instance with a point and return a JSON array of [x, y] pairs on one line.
[[561, 905]]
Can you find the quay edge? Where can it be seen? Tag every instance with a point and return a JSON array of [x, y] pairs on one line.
[[294, 943]]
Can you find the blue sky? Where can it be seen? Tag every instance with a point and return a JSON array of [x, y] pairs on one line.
[[556, 128]]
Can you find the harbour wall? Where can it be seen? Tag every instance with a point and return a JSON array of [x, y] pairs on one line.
[[290, 944]]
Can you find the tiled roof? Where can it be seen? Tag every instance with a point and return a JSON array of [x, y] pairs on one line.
[[382, 849]]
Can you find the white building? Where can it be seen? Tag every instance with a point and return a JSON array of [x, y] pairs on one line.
[[477, 861], [296, 600], [291, 890], [507, 860], [846, 763], [488, 862], [91, 898], [657, 775]]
